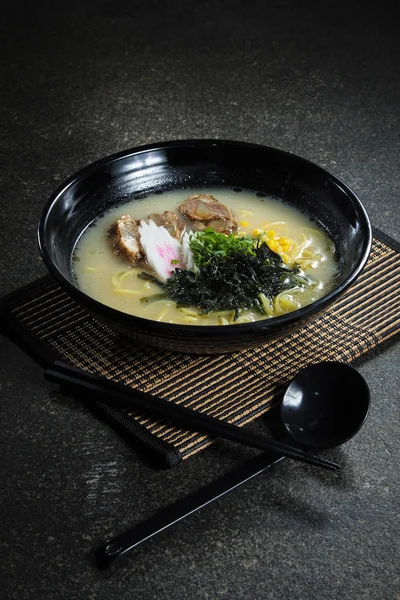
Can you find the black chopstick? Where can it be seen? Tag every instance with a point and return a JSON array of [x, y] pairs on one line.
[[119, 396], [126, 541]]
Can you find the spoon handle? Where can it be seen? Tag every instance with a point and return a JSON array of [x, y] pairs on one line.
[[118, 396], [123, 543]]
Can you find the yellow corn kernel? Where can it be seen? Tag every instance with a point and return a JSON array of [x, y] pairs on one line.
[[285, 240], [286, 247], [270, 233], [273, 245], [243, 223], [256, 232], [285, 258]]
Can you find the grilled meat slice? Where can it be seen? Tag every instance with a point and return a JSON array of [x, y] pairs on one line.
[[170, 221], [127, 239], [206, 211]]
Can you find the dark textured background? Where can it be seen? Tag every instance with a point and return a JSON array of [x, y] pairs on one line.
[[80, 80]]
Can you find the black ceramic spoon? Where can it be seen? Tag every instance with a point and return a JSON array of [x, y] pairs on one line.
[[325, 405]]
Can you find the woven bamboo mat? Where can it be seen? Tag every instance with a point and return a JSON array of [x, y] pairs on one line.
[[237, 387]]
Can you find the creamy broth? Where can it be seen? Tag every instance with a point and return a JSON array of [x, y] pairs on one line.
[[106, 276]]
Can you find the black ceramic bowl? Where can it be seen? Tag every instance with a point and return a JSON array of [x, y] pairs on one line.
[[193, 164]]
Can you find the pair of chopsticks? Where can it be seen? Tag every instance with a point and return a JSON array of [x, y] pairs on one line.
[[120, 397]]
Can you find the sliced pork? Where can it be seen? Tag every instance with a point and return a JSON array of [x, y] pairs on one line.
[[206, 211], [127, 239], [170, 221]]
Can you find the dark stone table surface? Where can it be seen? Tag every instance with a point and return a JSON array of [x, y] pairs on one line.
[[81, 80]]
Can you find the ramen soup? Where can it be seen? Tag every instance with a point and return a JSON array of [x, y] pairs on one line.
[[271, 260]]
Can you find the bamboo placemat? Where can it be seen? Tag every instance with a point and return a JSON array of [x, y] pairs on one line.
[[236, 387]]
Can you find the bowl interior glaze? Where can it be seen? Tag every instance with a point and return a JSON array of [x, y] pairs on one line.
[[200, 164]]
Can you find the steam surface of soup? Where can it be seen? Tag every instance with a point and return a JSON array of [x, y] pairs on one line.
[[106, 276]]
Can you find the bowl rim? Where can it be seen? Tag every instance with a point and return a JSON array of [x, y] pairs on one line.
[[112, 314]]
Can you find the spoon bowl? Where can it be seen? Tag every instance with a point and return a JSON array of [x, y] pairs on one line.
[[325, 405]]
